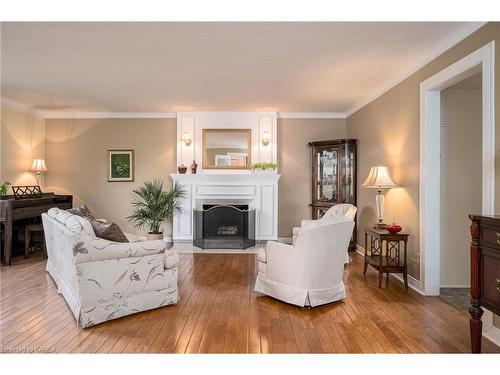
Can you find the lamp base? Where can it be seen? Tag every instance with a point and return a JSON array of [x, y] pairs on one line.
[[379, 225]]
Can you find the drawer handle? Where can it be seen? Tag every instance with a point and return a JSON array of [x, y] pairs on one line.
[[498, 285], [498, 238]]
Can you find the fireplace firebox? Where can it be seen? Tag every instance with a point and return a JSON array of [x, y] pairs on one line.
[[224, 226]]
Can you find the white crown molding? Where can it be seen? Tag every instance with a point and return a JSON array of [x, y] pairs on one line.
[[439, 50], [311, 115], [83, 115], [19, 107], [16, 106]]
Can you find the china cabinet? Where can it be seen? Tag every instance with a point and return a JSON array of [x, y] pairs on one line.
[[333, 173]]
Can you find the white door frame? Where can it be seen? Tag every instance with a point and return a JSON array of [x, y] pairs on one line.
[[430, 151]]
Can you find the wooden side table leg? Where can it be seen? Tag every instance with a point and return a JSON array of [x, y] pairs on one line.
[[380, 277], [27, 236], [405, 273], [366, 253], [476, 327]]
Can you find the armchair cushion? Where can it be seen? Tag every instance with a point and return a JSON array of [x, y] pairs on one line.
[[133, 238]]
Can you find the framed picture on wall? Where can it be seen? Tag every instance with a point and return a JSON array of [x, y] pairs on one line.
[[120, 165]]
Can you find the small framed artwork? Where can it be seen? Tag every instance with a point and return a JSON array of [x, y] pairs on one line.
[[120, 165]]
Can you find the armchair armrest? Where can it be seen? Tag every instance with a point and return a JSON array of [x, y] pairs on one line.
[[280, 260], [90, 249], [171, 259], [306, 224]]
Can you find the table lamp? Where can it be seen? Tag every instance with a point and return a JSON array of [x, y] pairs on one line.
[[379, 178], [38, 167]]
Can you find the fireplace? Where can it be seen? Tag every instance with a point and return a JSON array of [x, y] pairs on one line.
[[224, 226]]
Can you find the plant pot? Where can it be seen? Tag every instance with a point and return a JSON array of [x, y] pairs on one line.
[[267, 171], [154, 236]]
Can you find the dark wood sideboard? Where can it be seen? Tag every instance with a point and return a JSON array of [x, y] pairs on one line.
[[485, 273]]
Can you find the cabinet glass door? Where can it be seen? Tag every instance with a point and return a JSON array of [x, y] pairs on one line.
[[326, 174], [349, 173]]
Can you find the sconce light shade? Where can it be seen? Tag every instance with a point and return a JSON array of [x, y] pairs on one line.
[[186, 138], [266, 138], [38, 166]]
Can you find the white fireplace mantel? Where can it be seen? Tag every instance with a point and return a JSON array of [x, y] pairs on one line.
[[258, 190]]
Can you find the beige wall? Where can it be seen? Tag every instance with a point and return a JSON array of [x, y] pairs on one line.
[[21, 141], [295, 166], [76, 157], [77, 160], [387, 130], [461, 159]]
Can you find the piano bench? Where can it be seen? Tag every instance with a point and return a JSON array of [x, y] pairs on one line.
[[28, 230]]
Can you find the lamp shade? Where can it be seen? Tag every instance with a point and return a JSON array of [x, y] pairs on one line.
[[379, 178], [38, 165]]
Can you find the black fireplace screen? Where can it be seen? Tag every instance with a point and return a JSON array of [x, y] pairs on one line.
[[221, 226]]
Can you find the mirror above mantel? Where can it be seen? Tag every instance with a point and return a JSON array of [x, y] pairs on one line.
[[227, 148]]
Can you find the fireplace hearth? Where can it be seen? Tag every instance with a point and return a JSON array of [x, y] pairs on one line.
[[224, 226]]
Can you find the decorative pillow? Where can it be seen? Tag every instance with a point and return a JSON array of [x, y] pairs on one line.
[[107, 231], [82, 211]]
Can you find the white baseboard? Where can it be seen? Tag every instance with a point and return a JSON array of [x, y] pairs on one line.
[[413, 283], [491, 332]]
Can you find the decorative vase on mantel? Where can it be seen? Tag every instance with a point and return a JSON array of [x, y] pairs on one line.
[[182, 169], [194, 166]]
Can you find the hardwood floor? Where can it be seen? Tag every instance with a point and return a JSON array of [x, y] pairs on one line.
[[220, 313]]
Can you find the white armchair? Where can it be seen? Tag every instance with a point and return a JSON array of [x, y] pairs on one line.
[[308, 273], [344, 209]]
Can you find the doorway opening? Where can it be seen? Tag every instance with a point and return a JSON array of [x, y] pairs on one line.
[[460, 183], [430, 154]]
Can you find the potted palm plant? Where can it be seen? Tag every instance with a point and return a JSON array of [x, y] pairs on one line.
[[155, 205]]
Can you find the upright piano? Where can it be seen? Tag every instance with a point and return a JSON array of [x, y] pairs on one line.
[[12, 209]]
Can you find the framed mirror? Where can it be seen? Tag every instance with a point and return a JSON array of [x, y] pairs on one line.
[[227, 148]]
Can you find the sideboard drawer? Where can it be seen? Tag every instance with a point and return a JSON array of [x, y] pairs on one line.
[[491, 280], [491, 236]]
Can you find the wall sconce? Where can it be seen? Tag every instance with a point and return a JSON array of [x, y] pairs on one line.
[[38, 167], [266, 138], [186, 138]]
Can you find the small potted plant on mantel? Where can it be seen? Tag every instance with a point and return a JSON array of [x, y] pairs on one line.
[[4, 188], [265, 167], [154, 206]]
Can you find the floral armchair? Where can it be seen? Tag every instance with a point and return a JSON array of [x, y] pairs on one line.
[[103, 280]]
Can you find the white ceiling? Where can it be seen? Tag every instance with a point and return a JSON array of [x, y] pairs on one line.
[[171, 67]]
